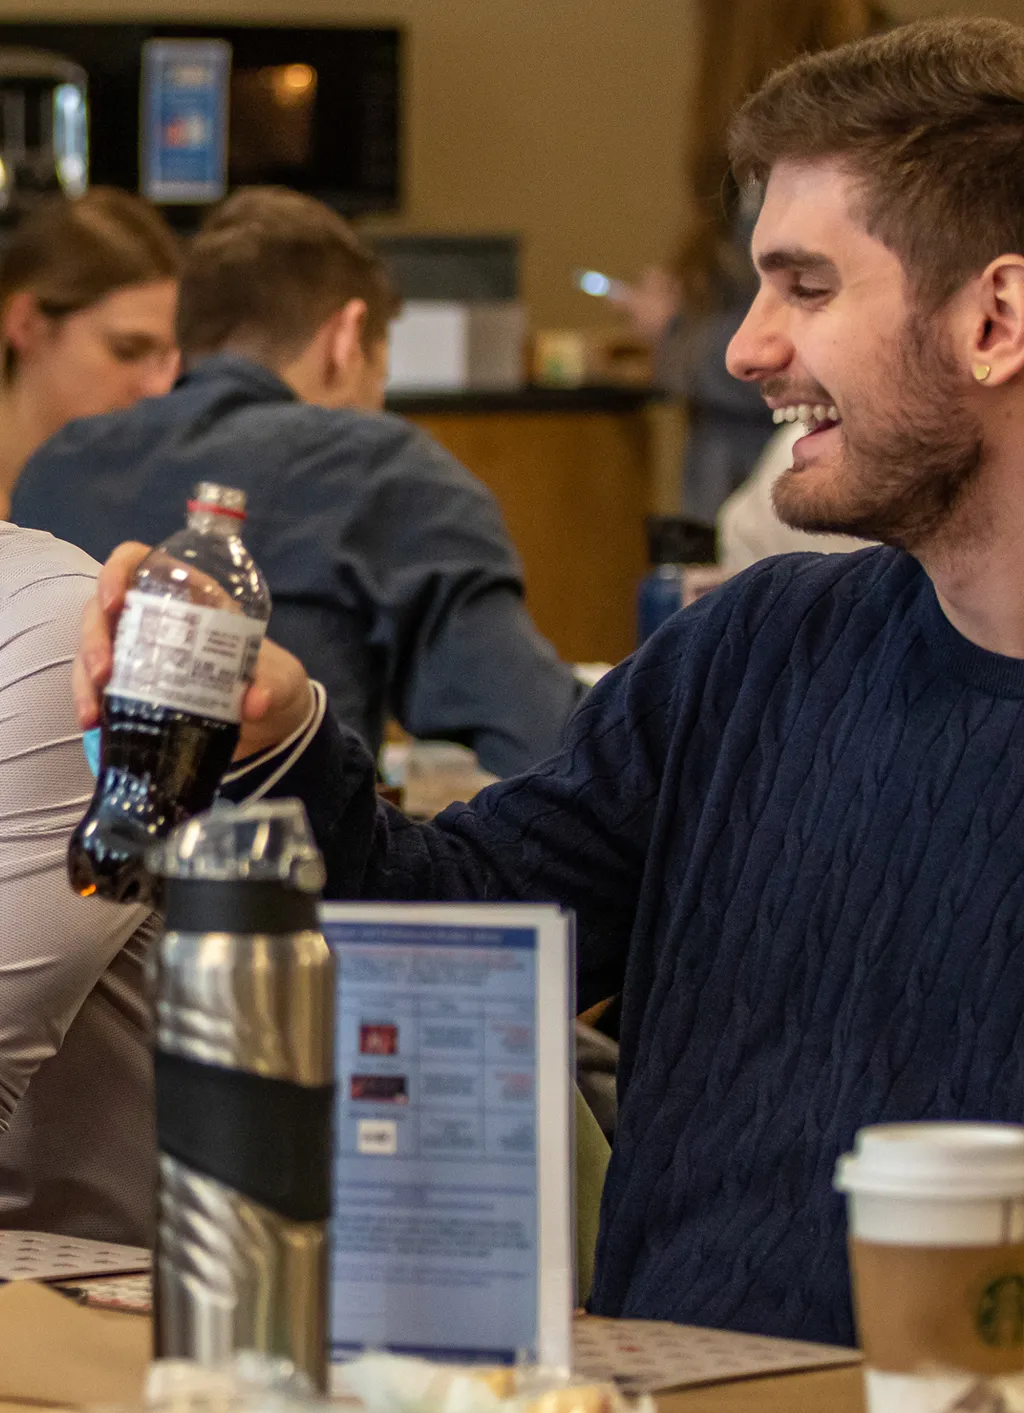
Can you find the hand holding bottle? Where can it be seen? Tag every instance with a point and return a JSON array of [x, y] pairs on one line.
[[276, 704], [189, 634]]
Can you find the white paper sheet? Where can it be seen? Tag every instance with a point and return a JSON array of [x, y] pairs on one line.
[[41, 1256], [644, 1355]]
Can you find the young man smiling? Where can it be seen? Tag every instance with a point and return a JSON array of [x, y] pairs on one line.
[[791, 825]]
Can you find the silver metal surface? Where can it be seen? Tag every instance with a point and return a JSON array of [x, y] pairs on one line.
[[256, 1002], [232, 1275]]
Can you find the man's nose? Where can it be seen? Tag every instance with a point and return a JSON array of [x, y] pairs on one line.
[[760, 348]]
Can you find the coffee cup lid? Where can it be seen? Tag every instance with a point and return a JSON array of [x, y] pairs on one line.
[[935, 1160]]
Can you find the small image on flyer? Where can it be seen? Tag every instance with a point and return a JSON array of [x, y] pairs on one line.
[[378, 1040], [380, 1088]]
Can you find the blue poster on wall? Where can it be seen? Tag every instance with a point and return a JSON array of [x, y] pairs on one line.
[[184, 119]]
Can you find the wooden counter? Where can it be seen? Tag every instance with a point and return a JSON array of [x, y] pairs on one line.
[[575, 472]]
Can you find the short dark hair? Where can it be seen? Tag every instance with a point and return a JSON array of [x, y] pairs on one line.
[[71, 253], [929, 122], [267, 267]]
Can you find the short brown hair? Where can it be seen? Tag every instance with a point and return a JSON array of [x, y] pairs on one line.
[[929, 122], [267, 268], [71, 253]]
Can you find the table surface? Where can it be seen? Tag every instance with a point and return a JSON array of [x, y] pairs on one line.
[[820, 1391], [824, 1391], [831, 1391]]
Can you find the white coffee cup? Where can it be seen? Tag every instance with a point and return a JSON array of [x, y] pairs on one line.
[[936, 1218]]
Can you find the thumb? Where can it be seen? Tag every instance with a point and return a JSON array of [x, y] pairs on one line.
[[256, 703]]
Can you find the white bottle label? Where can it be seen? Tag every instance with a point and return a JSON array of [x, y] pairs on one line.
[[184, 656]]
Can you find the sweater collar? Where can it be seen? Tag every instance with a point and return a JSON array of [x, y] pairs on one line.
[[988, 672], [257, 380]]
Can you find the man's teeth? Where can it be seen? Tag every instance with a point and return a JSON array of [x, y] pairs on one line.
[[804, 412]]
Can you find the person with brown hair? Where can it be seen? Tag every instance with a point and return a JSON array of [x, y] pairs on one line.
[[790, 825], [87, 295], [392, 573], [268, 269], [690, 310]]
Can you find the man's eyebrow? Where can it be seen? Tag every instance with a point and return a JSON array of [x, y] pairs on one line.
[[795, 258]]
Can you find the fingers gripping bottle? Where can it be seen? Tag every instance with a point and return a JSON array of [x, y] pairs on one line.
[[185, 652]]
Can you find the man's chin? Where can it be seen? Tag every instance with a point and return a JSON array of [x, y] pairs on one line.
[[802, 502]]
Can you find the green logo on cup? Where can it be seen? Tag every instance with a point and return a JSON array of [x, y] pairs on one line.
[[1000, 1314]]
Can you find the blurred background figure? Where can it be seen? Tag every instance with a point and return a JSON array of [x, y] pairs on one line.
[[690, 309], [393, 577], [88, 289]]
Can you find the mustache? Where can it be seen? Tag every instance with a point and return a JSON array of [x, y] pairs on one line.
[[783, 389]]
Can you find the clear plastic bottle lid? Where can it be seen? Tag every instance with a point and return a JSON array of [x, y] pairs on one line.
[[268, 841], [218, 500]]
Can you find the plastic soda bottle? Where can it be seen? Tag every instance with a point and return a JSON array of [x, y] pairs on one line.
[[185, 652]]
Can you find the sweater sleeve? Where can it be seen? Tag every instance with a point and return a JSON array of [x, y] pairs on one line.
[[574, 831]]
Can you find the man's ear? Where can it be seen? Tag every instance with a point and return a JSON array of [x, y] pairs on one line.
[[23, 325], [997, 342], [345, 342]]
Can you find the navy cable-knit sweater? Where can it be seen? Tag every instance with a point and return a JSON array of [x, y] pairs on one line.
[[792, 829]]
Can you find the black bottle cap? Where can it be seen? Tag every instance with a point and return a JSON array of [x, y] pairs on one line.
[[673, 539]]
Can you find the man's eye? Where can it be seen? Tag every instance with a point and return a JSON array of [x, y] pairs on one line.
[[129, 351], [807, 292]]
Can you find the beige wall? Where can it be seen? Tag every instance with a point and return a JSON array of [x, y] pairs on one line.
[[559, 119]]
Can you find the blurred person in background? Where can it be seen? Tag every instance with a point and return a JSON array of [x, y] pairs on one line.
[[77, 1143], [690, 310], [392, 573], [87, 295]]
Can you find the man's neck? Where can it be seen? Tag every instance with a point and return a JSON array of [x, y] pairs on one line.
[[977, 565]]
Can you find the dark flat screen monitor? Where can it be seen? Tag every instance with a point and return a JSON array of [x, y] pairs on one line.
[[316, 108]]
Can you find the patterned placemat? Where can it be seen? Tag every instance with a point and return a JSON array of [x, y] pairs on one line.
[[644, 1355], [41, 1256]]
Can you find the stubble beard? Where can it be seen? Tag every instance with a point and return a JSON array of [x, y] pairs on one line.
[[902, 474]]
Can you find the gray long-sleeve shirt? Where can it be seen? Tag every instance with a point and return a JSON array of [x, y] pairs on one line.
[[392, 573], [77, 1134]]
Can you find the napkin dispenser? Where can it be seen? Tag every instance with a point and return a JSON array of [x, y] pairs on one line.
[[442, 345]]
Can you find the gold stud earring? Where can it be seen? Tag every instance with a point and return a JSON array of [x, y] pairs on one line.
[[981, 371]]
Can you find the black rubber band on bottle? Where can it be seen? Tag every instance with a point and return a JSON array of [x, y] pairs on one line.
[[242, 905], [267, 1139]]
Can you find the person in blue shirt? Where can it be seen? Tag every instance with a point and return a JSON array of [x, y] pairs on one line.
[[791, 825], [391, 570]]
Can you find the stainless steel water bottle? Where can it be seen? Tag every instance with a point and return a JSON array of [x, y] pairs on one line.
[[244, 1009]]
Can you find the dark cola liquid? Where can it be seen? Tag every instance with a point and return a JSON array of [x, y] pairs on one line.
[[160, 766]]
